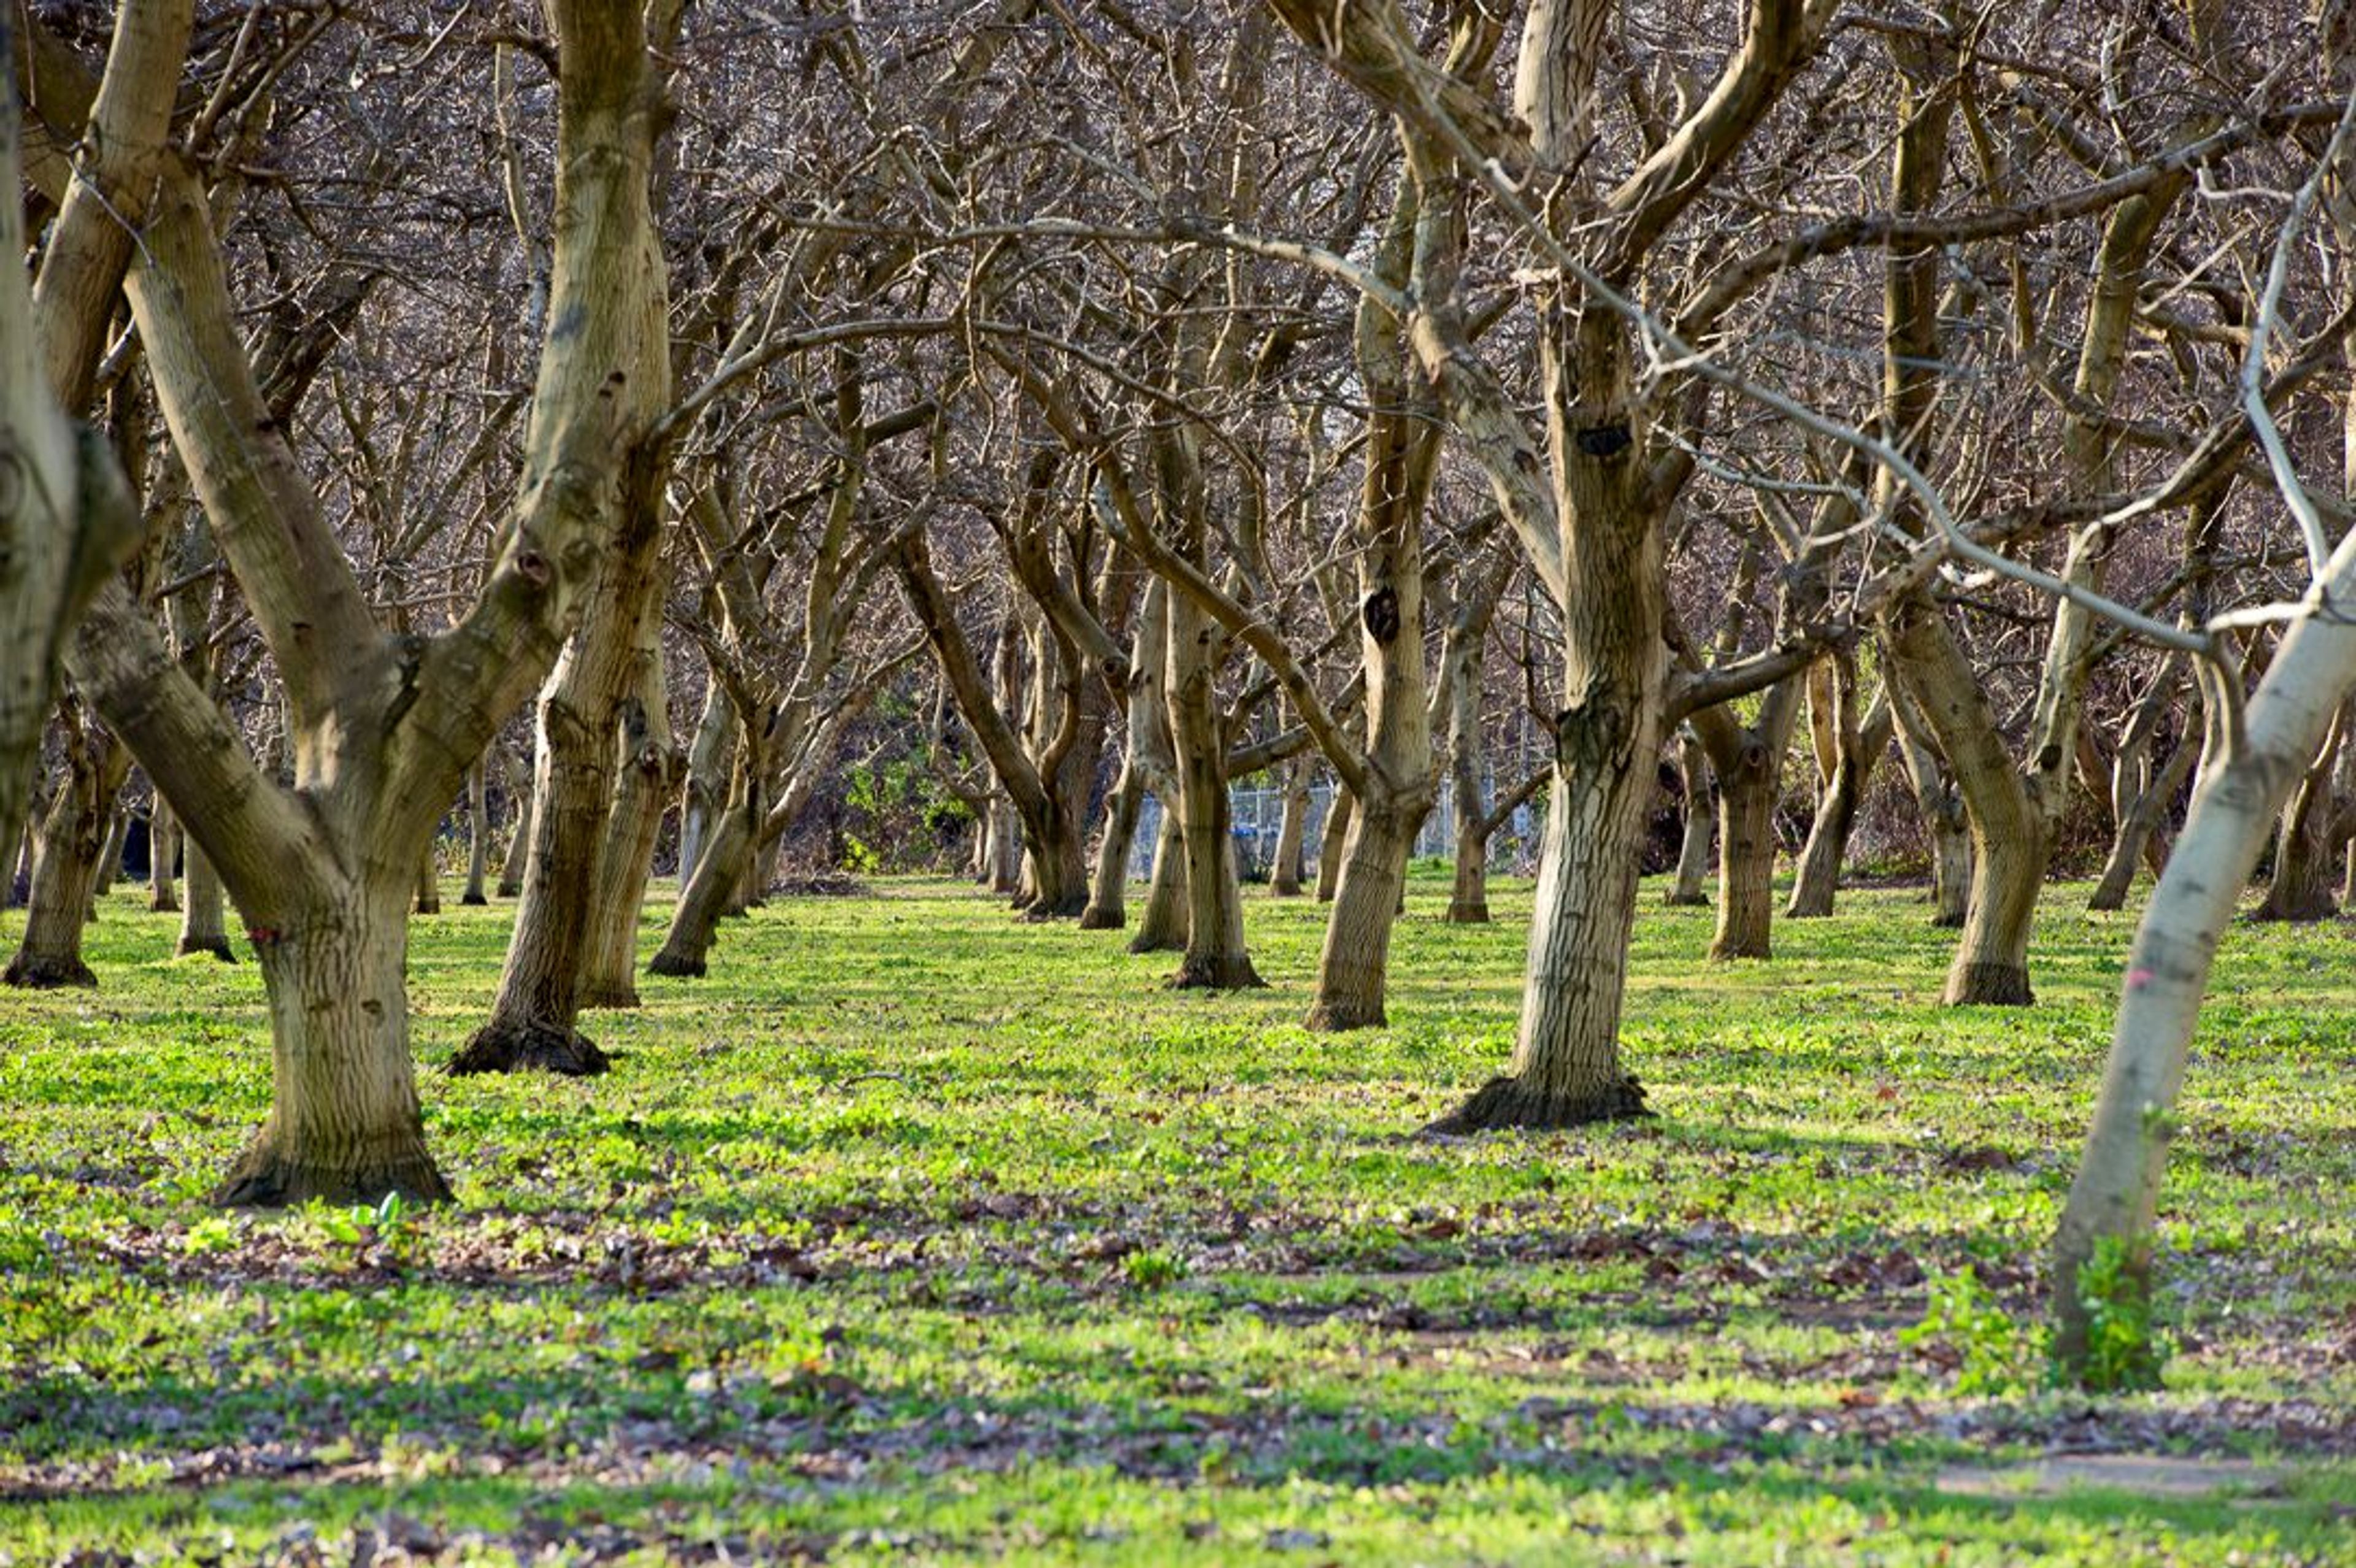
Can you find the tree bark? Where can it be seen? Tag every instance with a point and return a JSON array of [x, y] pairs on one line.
[[1330, 842], [1701, 821], [650, 774], [1292, 832], [2307, 841], [1214, 956], [202, 926], [67, 848], [1746, 861], [162, 859], [1857, 751], [428, 876], [520, 830], [478, 839]]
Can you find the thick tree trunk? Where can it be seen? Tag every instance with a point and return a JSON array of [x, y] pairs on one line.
[[1336, 833], [1351, 970], [162, 859], [478, 839], [1941, 805], [705, 795], [1694, 847], [344, 1125], [203, 928]]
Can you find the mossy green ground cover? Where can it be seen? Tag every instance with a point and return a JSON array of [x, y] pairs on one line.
[[915, 1234]]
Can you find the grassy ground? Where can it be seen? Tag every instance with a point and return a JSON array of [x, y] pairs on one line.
[[917, 1235]]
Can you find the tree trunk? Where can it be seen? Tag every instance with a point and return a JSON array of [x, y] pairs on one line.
[[2305, 843], [1693, 848], [1352, 967], [344, 1122], [649, 773], [478, 839], [1941, 805], [1468, 896], [202, 927], [519, 833], [1216, 958], [68, 849], [20, 875], [1109, 892], [428, 876], [1162, 928], [695, 924], [162, 859], [110, 855], [705, 795], [1338, 812], [1746, 864], [1292, 832], [1857, 751], [2139, 826]]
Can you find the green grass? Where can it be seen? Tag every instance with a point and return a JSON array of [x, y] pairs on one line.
[[919, 1234]]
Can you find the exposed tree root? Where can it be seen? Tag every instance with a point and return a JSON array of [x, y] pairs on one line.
[[1095, 917], [530, 1048], [264, 1178], [1339, 1017], [48, 972], [678, 966], [1226, 972], [1990, 986], [1462, 914], [1504, 1102]]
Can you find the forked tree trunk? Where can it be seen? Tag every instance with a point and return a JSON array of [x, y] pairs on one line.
[[162, 859], [1162, 928], [649, 773], [478, 839], [202, 926], [1694, 845], [344, 1116], [1857, 751], [1292, 832], [1145, 765], [68, 845], [1336, 833]]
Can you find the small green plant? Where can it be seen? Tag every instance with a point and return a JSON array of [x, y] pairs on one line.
[[2124, 1351], [1964, 1325], [1152, 1268]]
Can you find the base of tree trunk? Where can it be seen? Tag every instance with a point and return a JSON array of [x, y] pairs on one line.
[[1462, 914], [1284, 889], [474, 900], [1744, 952], [49, 974], [1946, 923], [1504, 1102], [1228, 972], [1990, 986], [1811, 909], [218, 947], [1038, 912], [2292, 910], [610, 998], [1339, 1017], [163, 906], [1145, 943], [264, 1178], [530, 1048], [2104, 901], [1684, 901], [679, 968], [1097, 918]]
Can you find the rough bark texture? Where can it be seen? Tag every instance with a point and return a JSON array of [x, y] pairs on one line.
[[649, 773], [1746, 861], [2308, 840], [163, 860], [1352, 971], [1214, 956], [1857, 751], [1292, 832], [478, 839], [429, 879], [1329, 841], [344, 1123], [1162, 926]]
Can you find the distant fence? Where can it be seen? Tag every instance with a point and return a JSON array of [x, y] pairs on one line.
[[1258, 816]]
